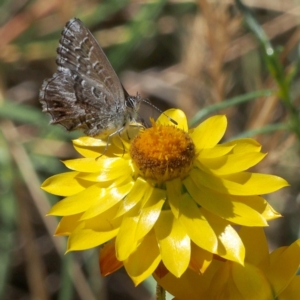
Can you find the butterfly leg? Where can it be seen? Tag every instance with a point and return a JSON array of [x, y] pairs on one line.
[[118, 132]]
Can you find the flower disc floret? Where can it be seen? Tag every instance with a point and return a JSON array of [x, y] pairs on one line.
[[162, 153]]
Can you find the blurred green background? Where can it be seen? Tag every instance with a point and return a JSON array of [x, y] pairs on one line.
[[204, 57]]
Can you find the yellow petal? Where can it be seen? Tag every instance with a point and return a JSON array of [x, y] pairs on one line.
[[270, 213], [175, 245], [254, 240], [78, 203], [190, 286], [150, 212], [94, 148], [244, 145], [174, 195], [261, 183], [284, 265], [230, 282], [85, 238], [104, 221], [88, 141], [260, 205], [67, 224], [231, 163], [217, 151], [65, 184], [230, 245], [218, 288], [251, 282], [94, 165], [177, 115], [196, 225], [126, 241], [140, 190], [120, 170], [225, 206], [89, 147], [142, 263], [209, 132], [137, 223], [108, 198], [243, 183], [292, 291], [239, 147], [200, 259], [96, 231]]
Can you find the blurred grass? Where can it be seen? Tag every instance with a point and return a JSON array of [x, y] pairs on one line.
[[8, 215], [203, 57], [214, 108]]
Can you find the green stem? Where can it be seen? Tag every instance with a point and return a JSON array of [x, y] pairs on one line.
[[160, 293]]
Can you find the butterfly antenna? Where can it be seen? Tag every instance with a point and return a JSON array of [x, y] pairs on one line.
[[155, 107]]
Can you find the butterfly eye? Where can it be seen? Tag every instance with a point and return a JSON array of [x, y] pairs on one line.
[[131, 101]]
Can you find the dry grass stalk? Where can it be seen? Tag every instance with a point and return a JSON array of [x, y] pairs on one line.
[[206, 45]]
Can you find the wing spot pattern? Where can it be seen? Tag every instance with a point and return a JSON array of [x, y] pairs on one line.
[[109, 80], [98, 68], [97, 93]]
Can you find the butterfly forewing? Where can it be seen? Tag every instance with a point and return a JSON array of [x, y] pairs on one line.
[[85, 92], [80, 52]]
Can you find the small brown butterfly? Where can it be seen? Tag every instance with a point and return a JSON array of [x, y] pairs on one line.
[[85, 92]]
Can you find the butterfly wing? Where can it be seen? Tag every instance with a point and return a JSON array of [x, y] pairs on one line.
[[85, 92]]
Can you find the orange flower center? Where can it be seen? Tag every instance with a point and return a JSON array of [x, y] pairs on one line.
[[162, 153]]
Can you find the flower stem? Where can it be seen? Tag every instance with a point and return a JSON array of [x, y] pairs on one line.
[[160, 293]]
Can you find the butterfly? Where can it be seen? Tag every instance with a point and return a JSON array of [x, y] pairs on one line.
[[85, 93]]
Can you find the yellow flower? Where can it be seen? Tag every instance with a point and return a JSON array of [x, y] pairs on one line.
[[169, 195], [264, 276]]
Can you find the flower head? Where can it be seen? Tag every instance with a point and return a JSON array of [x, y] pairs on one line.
[[169, 195], [263, 276], [162, 153]]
